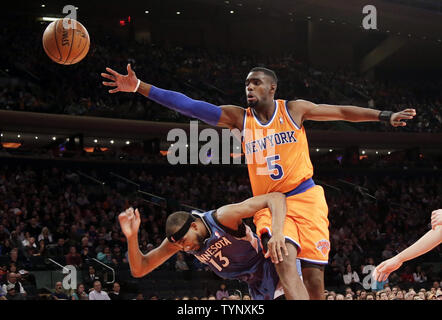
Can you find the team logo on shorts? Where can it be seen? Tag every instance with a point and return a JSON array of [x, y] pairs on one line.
[[323, 246]]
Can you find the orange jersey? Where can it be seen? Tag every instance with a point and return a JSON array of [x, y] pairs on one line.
[[277, 153]]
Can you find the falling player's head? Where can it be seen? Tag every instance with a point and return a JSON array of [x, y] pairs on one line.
[[185, 230], [261, 84]]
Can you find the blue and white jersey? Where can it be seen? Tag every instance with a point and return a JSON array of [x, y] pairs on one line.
[[238, 255]]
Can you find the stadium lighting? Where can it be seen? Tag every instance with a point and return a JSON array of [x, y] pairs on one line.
[[147, 11], [54, 138], [43, 5], [49, 19], [317, 150], [231, 11], [331, 150], [363, 151], [112, 141], [95, 140], [178, 12], [128, 142], [18, 136], [36, 138]]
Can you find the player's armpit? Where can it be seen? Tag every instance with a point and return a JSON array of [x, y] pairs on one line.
[[231, 117]]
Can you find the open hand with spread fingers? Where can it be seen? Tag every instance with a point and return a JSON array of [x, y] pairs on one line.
[[122, 83]]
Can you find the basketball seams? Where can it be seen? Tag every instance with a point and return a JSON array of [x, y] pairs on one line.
[[56, 42], [48, 53], [72, 43], [81, 52]]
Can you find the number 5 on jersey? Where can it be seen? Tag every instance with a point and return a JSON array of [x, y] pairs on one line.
[[272, 165]]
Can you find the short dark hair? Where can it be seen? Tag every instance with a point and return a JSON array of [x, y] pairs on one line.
[[267, 72], [175, 221]]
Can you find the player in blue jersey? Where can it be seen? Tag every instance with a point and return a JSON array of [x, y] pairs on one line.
[[220, 239]]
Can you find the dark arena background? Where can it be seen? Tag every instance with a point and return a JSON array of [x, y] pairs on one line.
[[73, 156]]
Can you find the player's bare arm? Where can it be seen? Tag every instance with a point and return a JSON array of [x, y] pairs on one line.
[[302, 110], [228, 116], [142, 264], [427, 242], [231, 216]]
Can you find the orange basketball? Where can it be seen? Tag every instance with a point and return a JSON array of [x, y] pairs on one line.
[[66, 41]]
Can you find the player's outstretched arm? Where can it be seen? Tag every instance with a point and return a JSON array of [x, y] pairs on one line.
[[306, 110], [231, 216], [224, 116], [141, 264], [427, 242]]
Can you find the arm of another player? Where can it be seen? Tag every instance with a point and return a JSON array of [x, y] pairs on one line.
[[224, 116], [307, 110], [231, 216], [427, 242], [141, 264]]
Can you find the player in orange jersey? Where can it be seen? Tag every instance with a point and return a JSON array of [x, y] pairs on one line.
[[276, 148]]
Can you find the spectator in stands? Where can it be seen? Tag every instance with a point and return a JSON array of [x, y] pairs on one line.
[[80, 293], [13, 282], [181, 264], [97, 293], [91, 277], [406, 275], [419, 275], [339, 296], [73, 258], [370, 296], [60, 249], [222, 292], [13, 294], [246, 296], [105, 256], [33, 228], [139, 296], [351, 278], [45, 236], [59, 294], [115, 294]]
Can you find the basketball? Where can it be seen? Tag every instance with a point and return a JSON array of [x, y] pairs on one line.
[[66, 41]]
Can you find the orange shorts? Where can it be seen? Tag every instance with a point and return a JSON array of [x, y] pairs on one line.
[[306, 224]]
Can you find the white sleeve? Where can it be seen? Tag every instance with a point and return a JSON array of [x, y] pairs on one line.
[[356, 276]]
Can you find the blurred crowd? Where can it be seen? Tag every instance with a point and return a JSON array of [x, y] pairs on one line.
[[32, 82], [57, 213]]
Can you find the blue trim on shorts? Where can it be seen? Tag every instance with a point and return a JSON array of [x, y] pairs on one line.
[[303, 187]]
